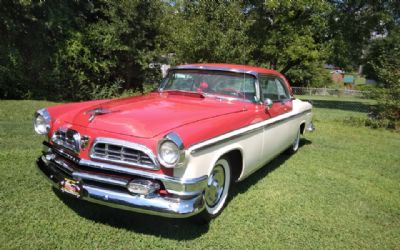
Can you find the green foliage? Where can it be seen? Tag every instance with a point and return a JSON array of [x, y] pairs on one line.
[[383, 64], [284, 35], [115, 90], [77, 47], [288, 37], [352, 23], [365, 87], [310, 74], [68, 50], [112, 53], [209, 31]]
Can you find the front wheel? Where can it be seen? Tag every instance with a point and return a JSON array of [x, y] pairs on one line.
[[216, 192]]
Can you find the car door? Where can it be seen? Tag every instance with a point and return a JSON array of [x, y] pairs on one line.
[[274, 88], [277, 134]]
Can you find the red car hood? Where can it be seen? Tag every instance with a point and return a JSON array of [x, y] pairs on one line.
[[151, 115]]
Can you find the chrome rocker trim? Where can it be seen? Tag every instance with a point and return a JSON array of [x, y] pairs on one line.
[[56, 169]]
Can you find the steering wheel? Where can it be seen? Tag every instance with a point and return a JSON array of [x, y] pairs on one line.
[[231, 91]]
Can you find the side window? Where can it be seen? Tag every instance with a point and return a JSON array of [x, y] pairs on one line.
[[269, 88], [273, 89], [283, 92]]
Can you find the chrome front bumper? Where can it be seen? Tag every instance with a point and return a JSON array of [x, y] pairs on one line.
[[184, 198]]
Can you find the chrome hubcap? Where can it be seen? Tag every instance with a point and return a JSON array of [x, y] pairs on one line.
[[215, 186]]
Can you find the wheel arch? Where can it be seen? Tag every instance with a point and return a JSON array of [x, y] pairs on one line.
[[302, 127], [235, 158]]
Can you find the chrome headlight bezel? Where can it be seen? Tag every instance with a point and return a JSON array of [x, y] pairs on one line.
[[171, 140], [41, 122]]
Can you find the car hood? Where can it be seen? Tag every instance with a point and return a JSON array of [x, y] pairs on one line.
[[151, 115]]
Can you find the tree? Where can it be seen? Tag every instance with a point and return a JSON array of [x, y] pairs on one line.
[[208, 31], [289, 36], [69, 49], [75, 49], [112, 53], [352, 24], [283, 35], [383, 65], [29, 30]]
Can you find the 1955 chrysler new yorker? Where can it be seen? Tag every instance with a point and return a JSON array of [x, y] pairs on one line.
[[174, 152]]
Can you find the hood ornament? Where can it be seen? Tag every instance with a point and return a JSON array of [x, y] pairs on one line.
[[97, 111]]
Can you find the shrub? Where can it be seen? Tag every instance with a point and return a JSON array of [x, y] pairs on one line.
[[383, 62]]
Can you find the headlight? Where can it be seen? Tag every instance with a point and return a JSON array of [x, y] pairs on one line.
[[41, 121], [170, 151]]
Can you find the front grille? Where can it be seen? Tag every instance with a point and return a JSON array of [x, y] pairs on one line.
[[67, 138], [122, 152]]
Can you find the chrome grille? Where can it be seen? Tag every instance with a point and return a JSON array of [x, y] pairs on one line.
[[67, 138], [123, 152]]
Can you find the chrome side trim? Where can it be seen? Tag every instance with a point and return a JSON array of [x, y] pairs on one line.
[[286, 119], [173, 185], [127, 144], [201, 146]]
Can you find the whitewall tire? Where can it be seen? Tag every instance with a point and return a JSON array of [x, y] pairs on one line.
[[295, 144], [217, 190]]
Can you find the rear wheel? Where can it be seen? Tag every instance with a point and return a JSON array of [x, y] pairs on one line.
[[216, 192], [295, 144]]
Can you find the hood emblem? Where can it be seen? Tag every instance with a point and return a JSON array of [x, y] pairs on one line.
[[98, 111]]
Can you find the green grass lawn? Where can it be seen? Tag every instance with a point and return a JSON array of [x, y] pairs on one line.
[[340, 191]]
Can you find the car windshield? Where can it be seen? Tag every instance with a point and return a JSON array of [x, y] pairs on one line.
[[211, 83]]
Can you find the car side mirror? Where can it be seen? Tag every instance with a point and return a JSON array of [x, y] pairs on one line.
[[268, 103]]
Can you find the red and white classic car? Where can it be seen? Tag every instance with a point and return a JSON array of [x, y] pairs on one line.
[[174, 152]]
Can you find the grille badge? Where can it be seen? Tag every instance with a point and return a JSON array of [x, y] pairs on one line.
[[84, 142]]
